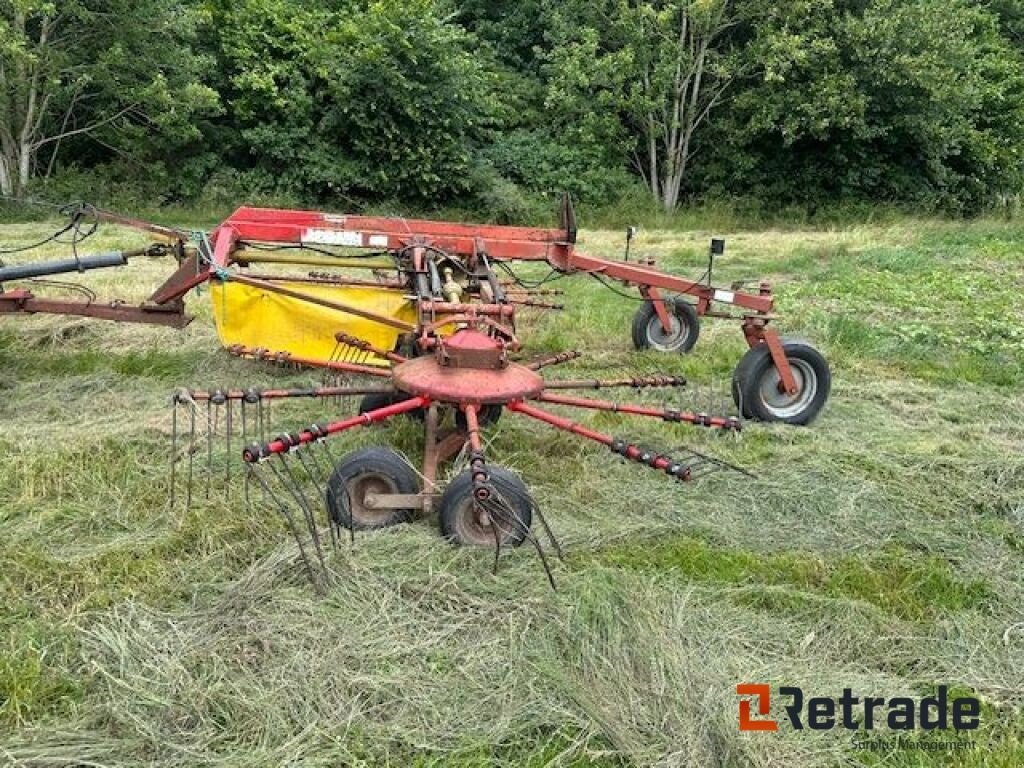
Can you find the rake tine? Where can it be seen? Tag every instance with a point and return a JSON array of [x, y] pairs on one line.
[[501, 511], [245, 441], [331, 462], [174, 446], [352, 527], [191, 455], [550, 534], [209, 446], [720, 462], [332, 528], [543, 557], [494, 530], [290, 519], [326, 376], [228, 458], [331, 525], [299, 500], [313, 476], [307, 510], [321, 487]]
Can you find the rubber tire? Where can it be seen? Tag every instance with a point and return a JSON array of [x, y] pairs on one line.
[[757, 363], [375, 400], [488, 416], [460, 490], [382, 462], [683, 312]]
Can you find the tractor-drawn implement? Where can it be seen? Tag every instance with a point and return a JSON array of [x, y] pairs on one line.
[[419, 318]]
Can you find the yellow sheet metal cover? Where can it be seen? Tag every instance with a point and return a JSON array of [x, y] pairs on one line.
[[257, 318]]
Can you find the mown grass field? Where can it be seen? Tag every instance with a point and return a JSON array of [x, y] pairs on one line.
[[880, 549]]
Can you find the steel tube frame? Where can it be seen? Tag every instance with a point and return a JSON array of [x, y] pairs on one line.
[[665, 414], [286, 443]]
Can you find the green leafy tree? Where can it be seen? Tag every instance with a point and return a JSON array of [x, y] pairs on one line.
[[648, 75], [911, 100], [119, 71], [377, 100]]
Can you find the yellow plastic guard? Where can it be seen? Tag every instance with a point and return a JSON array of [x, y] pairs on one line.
[[256, 318]]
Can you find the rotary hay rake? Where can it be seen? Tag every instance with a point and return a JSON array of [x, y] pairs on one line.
[[433, 326], [461, 385]]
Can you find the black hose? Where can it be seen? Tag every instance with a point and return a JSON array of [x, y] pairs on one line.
[[62, 266]]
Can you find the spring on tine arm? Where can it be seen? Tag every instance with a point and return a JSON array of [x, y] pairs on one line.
[[549, 360], [680, 470], [348, 340], [638, 382]]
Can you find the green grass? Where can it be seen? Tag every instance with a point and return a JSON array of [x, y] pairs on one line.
[[902, 583], [880, 549]]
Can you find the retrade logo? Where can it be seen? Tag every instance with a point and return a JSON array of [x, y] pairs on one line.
[[823, 713], [763, 696]]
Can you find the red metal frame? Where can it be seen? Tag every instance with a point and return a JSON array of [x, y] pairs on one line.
[[23, 301], [469, 241], [473, 243], [666, 414], [287, 443]]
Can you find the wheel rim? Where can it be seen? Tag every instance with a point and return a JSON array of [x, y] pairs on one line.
[[358, 488], [676, 336], [474, 526], [781, 404]]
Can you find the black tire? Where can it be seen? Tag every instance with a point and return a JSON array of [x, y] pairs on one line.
[[648, 333], [755, 380], [488, 415], [458, 519], [375, 400], [371, 470]]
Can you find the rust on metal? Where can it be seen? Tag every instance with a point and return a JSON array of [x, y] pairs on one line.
[[190, 274], [24, 302], [425, 376], [471, 349], [787, 381]]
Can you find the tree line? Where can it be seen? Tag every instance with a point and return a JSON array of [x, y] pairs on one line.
[[500, 105]]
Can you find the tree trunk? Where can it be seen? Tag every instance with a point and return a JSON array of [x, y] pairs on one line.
[[15, 166], [692, 94], [6, 187], [24, 170], [25, 83]]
